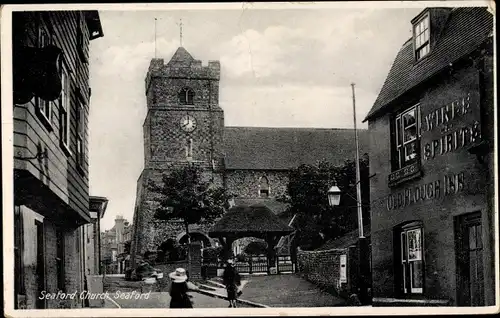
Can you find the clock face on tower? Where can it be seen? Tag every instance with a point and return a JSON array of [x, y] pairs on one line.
[[188, 123]]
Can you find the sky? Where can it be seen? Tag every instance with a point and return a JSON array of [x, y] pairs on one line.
[[279, 68]]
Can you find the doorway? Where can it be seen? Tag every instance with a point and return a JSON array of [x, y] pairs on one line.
[[470, 272], [40, 264]]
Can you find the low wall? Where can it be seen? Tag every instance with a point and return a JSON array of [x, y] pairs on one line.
[[323, 269], [169, 267]]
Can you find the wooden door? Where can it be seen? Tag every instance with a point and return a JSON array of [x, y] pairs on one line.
[[470, 272], [40, 263]]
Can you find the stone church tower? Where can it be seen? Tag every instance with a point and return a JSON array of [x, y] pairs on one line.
[[184, 125]]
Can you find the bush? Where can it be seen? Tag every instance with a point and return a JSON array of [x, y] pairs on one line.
[[242, 257], [256, 248], [212, 253]]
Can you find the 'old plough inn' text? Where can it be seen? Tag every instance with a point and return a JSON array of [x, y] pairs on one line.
[[431, 150]]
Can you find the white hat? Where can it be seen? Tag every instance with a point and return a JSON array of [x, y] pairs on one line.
[[179, 276]]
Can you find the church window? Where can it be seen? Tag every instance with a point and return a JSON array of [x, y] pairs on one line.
[[189, 149], [186, 96], [263, 187]]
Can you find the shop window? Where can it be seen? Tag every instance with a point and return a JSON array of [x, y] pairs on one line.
[[421, 37], [186, 96], [264, 187], [406, 140], [410, 250]]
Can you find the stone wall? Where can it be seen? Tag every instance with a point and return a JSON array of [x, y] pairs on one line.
[[323, 269], [245, 183]]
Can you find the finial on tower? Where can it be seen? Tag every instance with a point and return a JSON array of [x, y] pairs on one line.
[[180, 31]]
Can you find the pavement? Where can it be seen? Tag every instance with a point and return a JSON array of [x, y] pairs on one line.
[[162, 300], [286, 290]]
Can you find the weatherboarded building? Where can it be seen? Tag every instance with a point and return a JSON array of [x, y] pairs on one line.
[[51, 170], [185, 125], [431, 146]]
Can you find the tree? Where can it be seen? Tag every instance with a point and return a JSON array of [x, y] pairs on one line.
[[256, 248], [185, 195], [126, 247], [307, 191]]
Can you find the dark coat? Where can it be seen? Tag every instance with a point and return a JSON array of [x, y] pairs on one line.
[[231, 278], [179, 296]]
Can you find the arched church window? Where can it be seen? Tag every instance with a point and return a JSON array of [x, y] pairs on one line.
[[263, 187], [189, 149], [186, 96]]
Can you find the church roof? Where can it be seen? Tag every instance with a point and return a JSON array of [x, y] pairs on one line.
[[275, 206], [465, 30], [258, 148], [181, 56], [255, 220]]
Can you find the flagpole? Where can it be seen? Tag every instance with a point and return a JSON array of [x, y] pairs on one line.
[[358, 181], [155, 37]]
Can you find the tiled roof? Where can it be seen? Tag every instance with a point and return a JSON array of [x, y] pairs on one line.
[[181, 56], [277, 207], [253, 220], [345, 241], [259, 148], [466, 29]]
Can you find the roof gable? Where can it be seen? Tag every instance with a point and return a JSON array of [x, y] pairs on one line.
[[258, 148], [465, 30], [254, 220], [181, 56]]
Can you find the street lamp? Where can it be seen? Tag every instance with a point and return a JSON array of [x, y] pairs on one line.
[[334, 196]]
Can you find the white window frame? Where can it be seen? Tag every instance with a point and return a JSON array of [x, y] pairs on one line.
[[44, 106], [406, 262], [65, 108], [80, 135], [421, 37], [401, 142]]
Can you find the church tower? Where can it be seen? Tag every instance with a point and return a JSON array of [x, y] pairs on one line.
[[184, 125]]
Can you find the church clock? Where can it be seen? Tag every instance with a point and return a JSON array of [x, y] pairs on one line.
[[188, 123]]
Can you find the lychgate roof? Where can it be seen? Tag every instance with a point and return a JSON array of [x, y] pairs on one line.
[[249, 220], [465, 30], [262, 148]]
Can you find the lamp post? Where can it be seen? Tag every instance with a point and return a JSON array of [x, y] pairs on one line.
[[334, 199], [334, 196], [363, 251]]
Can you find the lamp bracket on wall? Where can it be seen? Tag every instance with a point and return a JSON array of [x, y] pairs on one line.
[[42, 154]]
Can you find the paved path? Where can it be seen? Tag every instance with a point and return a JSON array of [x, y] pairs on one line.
[[287, 290], [162, 300]]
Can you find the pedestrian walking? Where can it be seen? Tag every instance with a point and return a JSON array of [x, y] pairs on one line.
[[231, 279], [179, 289]]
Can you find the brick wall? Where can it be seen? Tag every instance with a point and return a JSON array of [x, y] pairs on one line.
[[323, 269]]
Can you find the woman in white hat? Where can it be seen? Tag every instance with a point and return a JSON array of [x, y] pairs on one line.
[[179, 288]]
